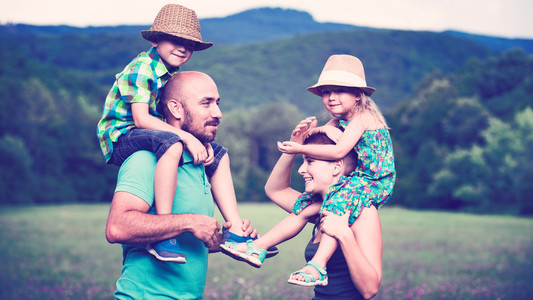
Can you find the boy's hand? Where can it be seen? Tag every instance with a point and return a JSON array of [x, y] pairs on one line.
[[195, 148], [210, 155]]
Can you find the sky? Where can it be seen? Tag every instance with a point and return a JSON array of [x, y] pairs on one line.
[[502, 18]]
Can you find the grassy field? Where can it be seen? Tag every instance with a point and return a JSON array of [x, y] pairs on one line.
[[60, 252]]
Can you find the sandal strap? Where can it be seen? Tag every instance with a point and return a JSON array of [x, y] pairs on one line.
[[307, 277], [318, 268], [261, 253]]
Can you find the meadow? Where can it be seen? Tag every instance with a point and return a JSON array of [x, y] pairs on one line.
[[60, 252]]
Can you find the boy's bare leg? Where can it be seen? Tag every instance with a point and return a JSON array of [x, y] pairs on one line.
[[165, 182], [166, 179], [224, 195]]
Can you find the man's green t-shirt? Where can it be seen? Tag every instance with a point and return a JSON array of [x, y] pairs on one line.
[[144, 276]]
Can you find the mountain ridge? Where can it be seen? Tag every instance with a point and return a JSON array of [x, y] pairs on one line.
[[255, 25]]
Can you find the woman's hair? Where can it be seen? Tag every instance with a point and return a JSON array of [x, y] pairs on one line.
[[320, 138]]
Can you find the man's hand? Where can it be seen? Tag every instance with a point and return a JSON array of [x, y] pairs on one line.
[[205, 229], [247, 229]]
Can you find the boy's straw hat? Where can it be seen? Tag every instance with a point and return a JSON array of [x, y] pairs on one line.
[[342, 70], [178, 21]]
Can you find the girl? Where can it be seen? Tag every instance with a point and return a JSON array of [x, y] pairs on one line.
[[346, 96]]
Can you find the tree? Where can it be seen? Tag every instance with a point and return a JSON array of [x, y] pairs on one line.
[[495, 177], [16, 177]]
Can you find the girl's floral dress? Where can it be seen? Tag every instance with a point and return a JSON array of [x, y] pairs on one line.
[[370, 184]]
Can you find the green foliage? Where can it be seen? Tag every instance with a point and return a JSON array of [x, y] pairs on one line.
[[54, 85], [16, 173], [251, 135], [495, 177], [48, 130], [457, 150]]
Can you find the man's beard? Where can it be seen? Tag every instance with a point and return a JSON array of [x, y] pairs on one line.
[[197, 131]]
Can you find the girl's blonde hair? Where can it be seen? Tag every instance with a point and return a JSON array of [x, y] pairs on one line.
[[368, 105]]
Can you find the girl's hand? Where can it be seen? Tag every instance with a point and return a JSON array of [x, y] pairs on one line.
[[298, 134], [210, 155], [289, 147], [297, 137], [332, 132], [334, 225]]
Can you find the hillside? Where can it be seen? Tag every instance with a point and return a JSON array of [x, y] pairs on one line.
[[455, 103], [264, 72]]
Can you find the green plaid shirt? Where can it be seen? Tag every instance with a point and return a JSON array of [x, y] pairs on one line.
[[140, 81]]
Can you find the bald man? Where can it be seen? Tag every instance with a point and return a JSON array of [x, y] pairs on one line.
[[191, 103]]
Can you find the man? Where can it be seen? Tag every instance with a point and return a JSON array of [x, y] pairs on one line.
[[190, 103]]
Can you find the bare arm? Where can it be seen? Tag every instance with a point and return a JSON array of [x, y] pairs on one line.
[[143, 119], [347, 141], [362, 246], [278, 187], [130, 223], [224, 195]]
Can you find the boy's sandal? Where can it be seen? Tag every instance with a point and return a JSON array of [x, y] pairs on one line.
[[231, 248], [309, 279], [228, 236]]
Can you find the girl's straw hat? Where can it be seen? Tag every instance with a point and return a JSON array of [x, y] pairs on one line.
[[342, 70], [178, 21]]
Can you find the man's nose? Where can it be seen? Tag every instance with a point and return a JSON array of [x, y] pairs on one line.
[[216, 112]]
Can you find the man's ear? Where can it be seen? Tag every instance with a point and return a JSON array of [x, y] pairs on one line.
[[175, 109]]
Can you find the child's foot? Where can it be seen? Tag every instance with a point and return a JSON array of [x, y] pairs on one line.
[[167, 250], [246, 252], [231, 237], [310, 275]]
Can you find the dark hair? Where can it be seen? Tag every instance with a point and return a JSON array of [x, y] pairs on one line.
[[320, 138]]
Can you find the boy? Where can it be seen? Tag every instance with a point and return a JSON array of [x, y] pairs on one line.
[[131, 122]]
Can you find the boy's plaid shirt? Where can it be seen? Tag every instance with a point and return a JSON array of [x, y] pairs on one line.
[[140, 81]]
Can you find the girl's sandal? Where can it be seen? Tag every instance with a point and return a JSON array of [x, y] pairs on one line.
[[310, 280], [228, 236], [253, 255]]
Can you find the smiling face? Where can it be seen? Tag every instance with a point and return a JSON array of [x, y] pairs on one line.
[[174, 52], [318, 174], [340, 100]]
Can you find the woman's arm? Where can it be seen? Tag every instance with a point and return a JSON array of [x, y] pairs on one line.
[[277, 187], [362, 246]]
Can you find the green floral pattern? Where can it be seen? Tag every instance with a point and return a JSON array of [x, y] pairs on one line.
[[371, 183]]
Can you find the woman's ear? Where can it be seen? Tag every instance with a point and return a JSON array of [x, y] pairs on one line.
[[338, 167], [175, 109]]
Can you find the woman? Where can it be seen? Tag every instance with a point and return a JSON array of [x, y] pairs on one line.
[[355, 269]]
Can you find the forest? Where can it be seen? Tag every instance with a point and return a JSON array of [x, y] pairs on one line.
[[460, 112]]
